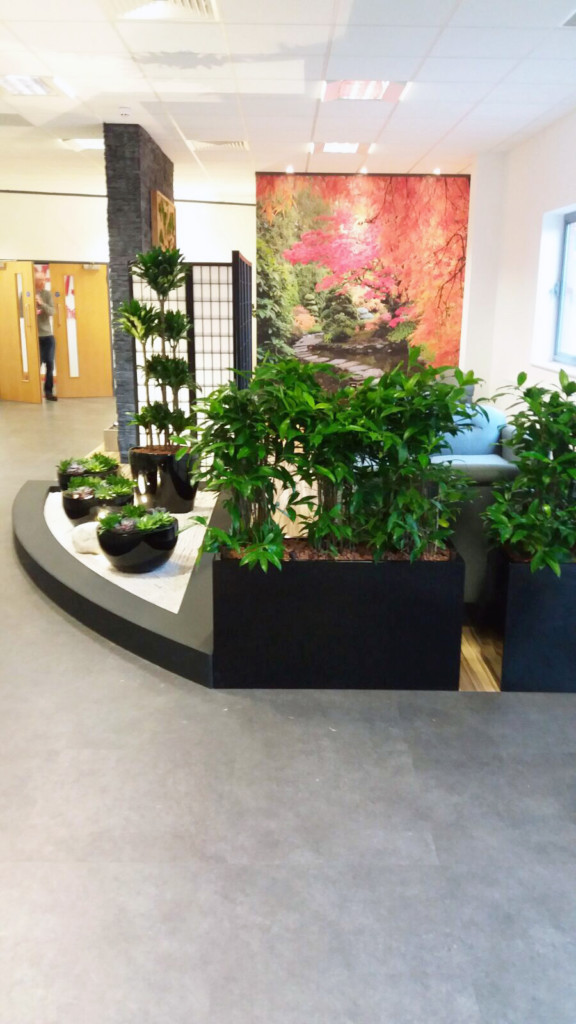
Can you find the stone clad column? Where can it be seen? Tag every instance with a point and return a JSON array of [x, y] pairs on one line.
[[135, 166]]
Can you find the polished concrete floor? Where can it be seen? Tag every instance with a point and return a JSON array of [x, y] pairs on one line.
[[171, 855]]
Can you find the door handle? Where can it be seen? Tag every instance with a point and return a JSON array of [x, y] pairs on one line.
[[59, 314], [27, 315]]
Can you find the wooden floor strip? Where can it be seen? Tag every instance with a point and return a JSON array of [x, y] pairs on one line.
[[480, 662]]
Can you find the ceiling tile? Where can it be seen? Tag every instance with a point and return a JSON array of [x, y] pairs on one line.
[[22, 62], [513, 13], [290, 68], [284, 40], [158, 37], [293, 129], [362, 68], [507, 43], [383, 42], [452, 69], [395, 12], [558, 44], [8, 40], [545, 71], [526, 92], [52, 10], [72, 36], [276, 12]]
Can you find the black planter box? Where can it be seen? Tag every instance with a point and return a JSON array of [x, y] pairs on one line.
[[539, 629], [346, 625]]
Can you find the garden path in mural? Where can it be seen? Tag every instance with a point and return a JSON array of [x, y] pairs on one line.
[[354, 268]]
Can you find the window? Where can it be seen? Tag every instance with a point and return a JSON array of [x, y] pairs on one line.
[[565, 347]]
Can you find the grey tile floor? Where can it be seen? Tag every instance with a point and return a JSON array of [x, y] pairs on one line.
[[170, 855]]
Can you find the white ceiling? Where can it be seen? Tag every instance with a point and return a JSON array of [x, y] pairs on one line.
[[485, 74]]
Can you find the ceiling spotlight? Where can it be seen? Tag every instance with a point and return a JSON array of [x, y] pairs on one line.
[[436, 170], [289, 169], [363, 170], [77, 145]]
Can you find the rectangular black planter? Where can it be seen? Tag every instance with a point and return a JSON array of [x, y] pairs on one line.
[[539, 629], [347, 625]]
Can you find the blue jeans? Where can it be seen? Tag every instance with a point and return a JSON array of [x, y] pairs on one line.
[[47, 349]]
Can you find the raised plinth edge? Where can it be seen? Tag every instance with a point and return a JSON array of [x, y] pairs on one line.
[[180, 643]]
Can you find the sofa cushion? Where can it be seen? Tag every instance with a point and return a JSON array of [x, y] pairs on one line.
[[483, 469], [479, 436]]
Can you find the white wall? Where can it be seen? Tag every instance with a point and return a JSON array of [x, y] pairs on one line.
[[73, 229], [539, 182], [53, 227]]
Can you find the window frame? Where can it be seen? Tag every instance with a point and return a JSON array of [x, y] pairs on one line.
[[559, 355]]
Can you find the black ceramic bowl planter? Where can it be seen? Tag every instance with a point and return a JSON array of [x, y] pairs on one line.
[[79, 504], [130, 545], [162, 480]]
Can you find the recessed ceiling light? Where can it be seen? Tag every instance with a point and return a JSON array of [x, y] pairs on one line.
[[371, 147], [341, 147], [165, 10], [289, 169], [363, 170], [24, 85], [436, 170], [355, 90], [405, 90], [79, 144], [32, 85]]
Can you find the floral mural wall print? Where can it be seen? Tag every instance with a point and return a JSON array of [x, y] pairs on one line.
[[361, 266]]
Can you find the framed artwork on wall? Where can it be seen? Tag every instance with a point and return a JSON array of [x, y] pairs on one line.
[[163, 221]]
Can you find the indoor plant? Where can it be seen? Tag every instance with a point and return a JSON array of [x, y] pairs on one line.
[[354, 465], [96, 465], [533, 518], [161, 478], [86, 494], [136, 539]]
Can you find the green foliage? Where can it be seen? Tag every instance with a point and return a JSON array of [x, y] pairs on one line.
[[96, 463], [403, 331], [109, 487], [163, 270], [276, 296], [355, 463], [133, 517], [338, 315], [535, 514]]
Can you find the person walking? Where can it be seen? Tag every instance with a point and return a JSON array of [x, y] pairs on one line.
[[45, 310]]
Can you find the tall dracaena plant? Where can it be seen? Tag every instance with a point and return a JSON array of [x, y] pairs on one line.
[[163, 270], [142, 323]]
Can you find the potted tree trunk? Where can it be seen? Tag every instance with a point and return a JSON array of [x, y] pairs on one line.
[[369, 594], [161, 478], [533, 518]]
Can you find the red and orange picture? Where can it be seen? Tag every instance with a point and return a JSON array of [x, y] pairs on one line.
[[361, 266]]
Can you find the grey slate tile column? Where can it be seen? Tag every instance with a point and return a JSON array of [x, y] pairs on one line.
[[134, 166]]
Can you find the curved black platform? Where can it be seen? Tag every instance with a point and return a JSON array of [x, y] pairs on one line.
[[181, 642]]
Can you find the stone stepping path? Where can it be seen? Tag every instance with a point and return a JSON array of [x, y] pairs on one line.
[[303, 350]]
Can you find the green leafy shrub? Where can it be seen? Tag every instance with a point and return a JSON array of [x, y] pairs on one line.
[[535, 514], [354, 463], [96, 463], [338, 315]]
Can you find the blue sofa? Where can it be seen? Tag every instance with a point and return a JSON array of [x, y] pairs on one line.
[[481, 452]]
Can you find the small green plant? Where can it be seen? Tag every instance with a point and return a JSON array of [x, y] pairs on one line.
[[131, 518], [109, 487], [164, 271], [338, 315], [535, 514], [97, 463]]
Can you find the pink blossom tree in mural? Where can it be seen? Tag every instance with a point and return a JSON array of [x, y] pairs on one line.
[[396, 243]]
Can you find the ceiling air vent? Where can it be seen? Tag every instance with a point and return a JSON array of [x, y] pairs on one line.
[[235, 145], [571, 23], [145, 10]]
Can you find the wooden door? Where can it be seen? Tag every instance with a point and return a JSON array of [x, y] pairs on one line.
[[19, 353], [82, 330]]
